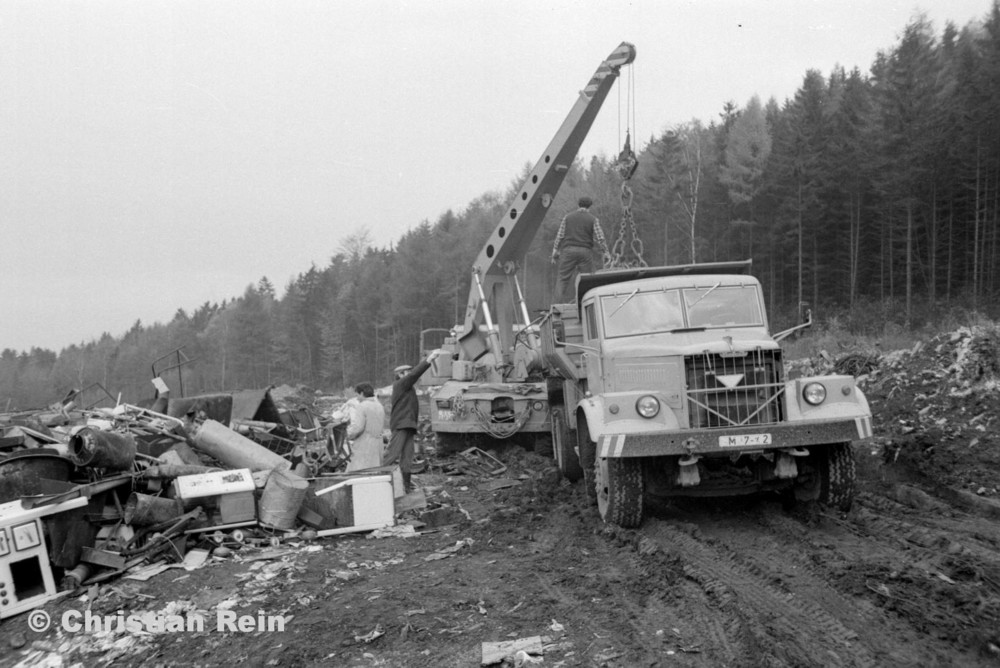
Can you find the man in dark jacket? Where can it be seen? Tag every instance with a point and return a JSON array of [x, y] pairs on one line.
[[578, 233], [403, 418]]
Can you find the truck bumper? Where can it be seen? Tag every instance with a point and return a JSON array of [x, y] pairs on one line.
[[497, 409], [758, 438]]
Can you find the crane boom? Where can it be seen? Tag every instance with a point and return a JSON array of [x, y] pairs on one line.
[[515, 232]]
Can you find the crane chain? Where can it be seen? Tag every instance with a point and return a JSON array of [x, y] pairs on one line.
[[619, 259]]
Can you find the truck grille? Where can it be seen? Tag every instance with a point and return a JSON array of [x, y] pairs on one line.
[[730, 391]]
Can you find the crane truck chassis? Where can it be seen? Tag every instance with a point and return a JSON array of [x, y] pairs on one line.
[[667, 381], [490, 379]]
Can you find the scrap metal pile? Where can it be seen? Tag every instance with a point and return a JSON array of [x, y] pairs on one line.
[[90, 494]]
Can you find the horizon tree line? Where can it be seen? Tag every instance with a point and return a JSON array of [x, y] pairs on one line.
[[870, 197]]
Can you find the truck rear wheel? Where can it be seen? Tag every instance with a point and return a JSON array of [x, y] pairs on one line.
[[563, 445], [837, 476], [620, 491], [588, 452]]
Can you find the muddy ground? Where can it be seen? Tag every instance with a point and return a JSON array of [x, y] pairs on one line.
[[909, 577]]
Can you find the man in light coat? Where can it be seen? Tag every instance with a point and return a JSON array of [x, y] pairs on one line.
[[365, 430]]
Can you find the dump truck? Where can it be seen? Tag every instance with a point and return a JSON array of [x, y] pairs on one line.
[[666, 381]]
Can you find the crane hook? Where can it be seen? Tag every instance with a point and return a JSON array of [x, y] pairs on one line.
[[627, 162]]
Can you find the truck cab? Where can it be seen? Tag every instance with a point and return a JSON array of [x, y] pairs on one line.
[[668, 380]]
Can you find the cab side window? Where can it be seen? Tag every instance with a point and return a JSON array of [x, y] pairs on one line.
[[591, 321]]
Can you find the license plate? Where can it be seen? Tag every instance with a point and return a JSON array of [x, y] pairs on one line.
[[744, 440], [446, 415]]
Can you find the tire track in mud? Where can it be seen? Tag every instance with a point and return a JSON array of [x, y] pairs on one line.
[[919, 587], [942, 578], [828, 560], [638, 608], [694, 633], [775, 626], [622, 629]]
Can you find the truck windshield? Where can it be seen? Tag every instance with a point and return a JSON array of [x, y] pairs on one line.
[[723, 306], [641, 313], [632, 312]]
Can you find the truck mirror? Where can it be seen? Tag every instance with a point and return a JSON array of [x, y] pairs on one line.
[[558, 330], [805, 313]]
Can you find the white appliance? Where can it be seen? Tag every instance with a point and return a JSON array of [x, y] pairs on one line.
[[26, 580]]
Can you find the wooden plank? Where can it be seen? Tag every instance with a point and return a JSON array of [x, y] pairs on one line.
[[103, 558], [495, 652]]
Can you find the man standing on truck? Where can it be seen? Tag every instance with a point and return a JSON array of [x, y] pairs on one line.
[[403, 417], [574, 247]]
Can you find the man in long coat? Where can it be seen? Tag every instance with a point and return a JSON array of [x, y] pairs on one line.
[[365, 430]]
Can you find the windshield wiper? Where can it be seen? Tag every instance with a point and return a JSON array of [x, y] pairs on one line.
[[692, 305], [624, 301]]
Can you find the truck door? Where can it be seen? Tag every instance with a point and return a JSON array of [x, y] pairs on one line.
[[591, 333]]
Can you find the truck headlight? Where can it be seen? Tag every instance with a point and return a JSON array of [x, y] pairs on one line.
[[647, 406], [538, 406], [814, 393]]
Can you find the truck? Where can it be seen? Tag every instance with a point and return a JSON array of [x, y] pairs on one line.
[[666, 382], [490, 380]]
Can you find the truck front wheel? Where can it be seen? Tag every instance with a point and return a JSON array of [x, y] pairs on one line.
[[837, 476], [620, 491], [830, 479]]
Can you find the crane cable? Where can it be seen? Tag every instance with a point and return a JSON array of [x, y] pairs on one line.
[[625, 166]]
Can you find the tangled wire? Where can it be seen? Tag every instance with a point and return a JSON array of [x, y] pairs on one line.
[[858, 364]]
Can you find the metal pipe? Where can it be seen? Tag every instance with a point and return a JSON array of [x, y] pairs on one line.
[[490, 327], [532, 337], [101, 449]]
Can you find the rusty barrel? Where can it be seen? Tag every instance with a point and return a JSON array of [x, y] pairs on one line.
[[281, 499], [102, 449]]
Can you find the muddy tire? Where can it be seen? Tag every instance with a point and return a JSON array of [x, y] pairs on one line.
[[564, 446], [620, 490], [837, 474], [588, 455]]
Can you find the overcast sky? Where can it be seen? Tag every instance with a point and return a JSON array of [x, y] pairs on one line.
[[157, 155]]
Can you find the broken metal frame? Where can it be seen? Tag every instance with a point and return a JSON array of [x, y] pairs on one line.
[[182, 360], [486, 457], [75, 394]]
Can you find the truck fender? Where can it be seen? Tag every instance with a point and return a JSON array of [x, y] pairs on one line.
[[863, 400], [855, 406], [592, 410]]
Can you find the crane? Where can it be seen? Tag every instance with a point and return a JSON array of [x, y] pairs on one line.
[[486, 382]]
